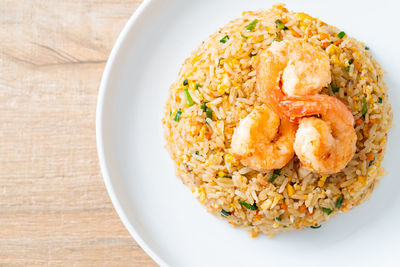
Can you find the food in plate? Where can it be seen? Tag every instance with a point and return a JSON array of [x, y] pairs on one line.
[[278, 121]]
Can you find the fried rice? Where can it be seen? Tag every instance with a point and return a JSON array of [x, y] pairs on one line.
[[216, 88]]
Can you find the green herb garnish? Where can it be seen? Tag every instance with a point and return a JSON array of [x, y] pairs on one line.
[[341, 34], [207, 110], [278, 219], [377, 78], [248, 206], [272, 179], [276, 40], [339, 202], [315, 227], [364, 109], [275, 175], [185, 82], [225, 213], [335, 88], [243, 36], [178, 115], [209, 113], [188, 98], [351, 61], [281, 25], [348, 68], [370, 163], [366, 48], [284, 226], [252, 25], [196, 86], [380, 100], [219, 61], [224, 39], [327, 211]]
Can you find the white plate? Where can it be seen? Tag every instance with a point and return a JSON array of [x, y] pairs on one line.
[[160, 212]]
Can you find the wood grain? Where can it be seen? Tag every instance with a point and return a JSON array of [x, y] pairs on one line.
[[54, 209]]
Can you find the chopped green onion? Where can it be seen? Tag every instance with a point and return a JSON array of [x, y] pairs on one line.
[[277, 171], [188, 98], [278, 219], [370, 163], [170, 113], [178, 115], [207, 110], [364, 109], [335, 89], [347, 68], [197, 153], [281, 25], [225, 213], [366, 48], [196, 86], [243, 36], [252, 25], [209, 113], [327, 211], [276, 40], [315, 227], [351, 61], [377, 78], [273, 178], [185, 82], [341, 34], [224, 39], [380, 100], [275, 175], [248, 206], [339, 202], [284, 226], [219, 60]]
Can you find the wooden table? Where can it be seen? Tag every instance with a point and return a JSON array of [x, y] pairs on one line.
[[54, 209]]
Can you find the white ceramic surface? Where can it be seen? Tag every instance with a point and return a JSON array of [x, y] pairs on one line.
[[160, 212]]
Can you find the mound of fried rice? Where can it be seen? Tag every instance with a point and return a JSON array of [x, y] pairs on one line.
[[215, 89]]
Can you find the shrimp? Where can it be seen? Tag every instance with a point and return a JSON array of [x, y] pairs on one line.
[[292, 67], [326, 143], [262, 141]]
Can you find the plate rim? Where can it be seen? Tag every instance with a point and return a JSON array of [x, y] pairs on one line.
[[99, 134]]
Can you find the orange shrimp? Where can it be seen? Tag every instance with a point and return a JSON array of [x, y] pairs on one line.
[[326, 144], [263, 141], [293, 67]]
